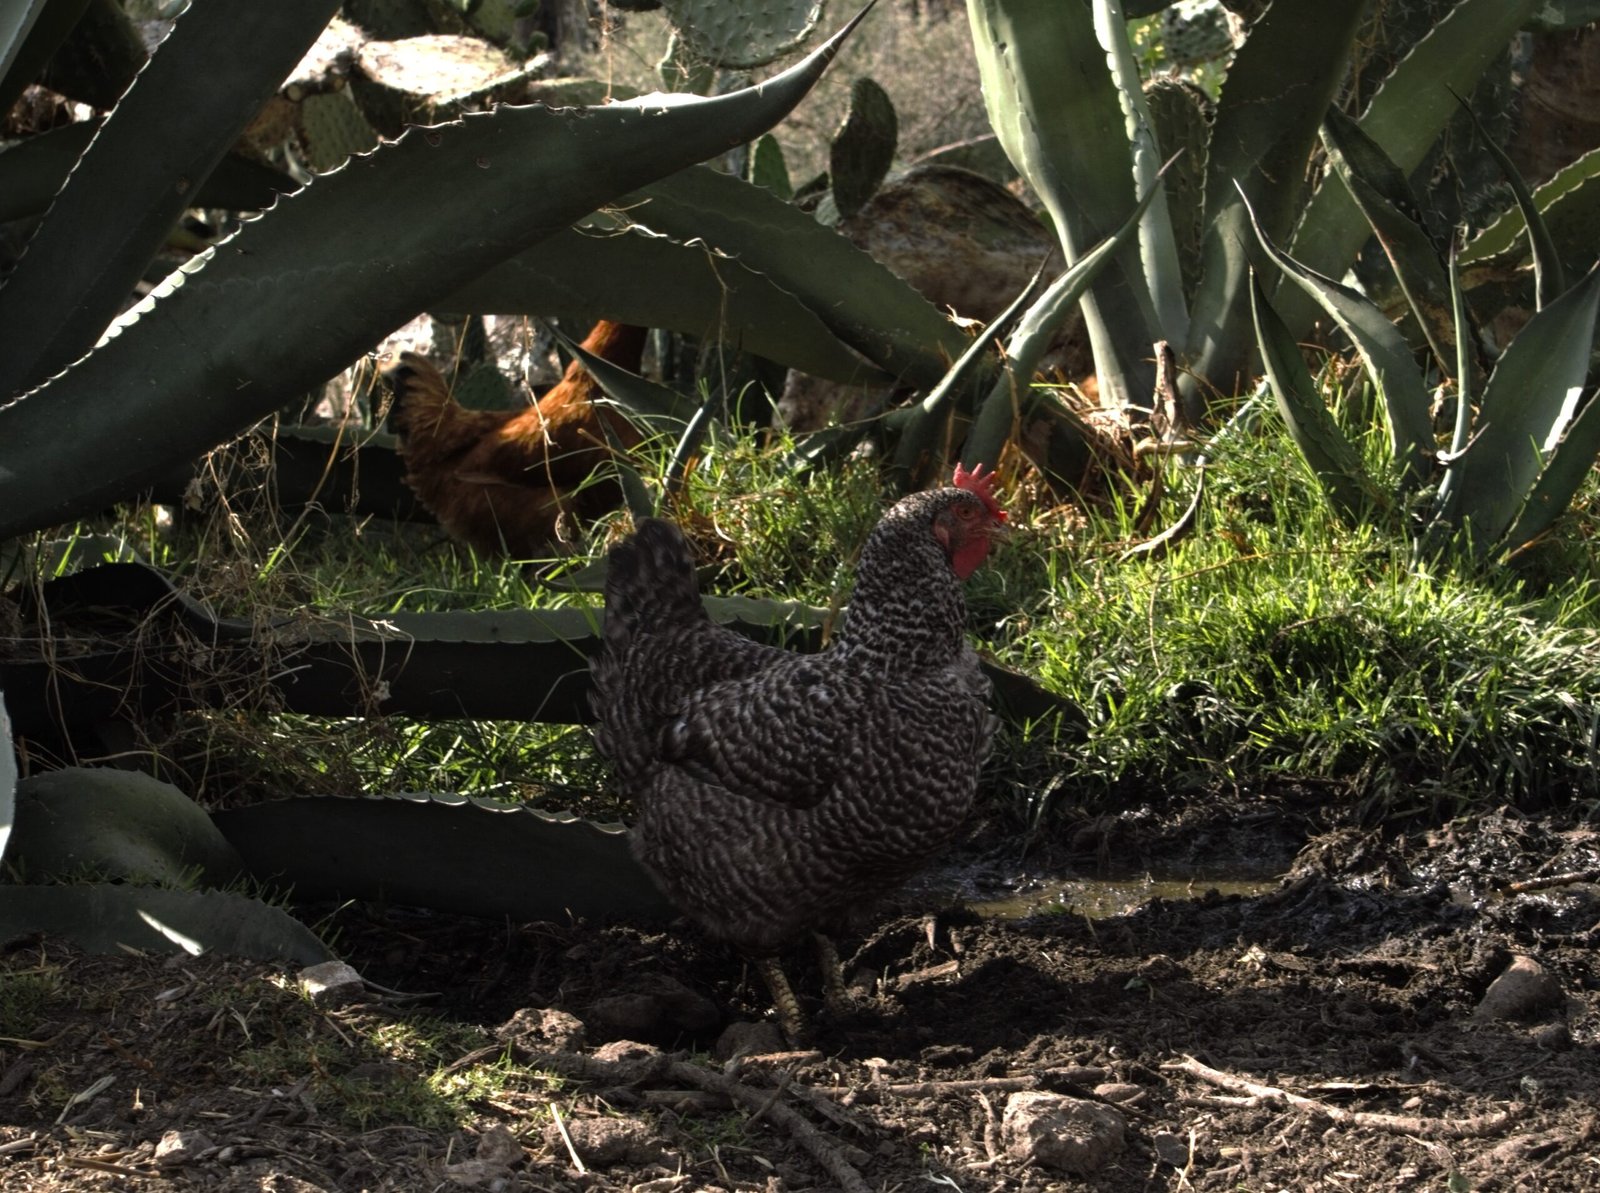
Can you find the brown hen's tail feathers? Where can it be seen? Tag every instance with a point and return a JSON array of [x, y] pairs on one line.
[[649, 583]]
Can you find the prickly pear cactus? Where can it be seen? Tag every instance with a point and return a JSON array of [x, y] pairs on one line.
[[1181, 113], [740, 34], [1459, 181], [332, 128], [1196, 31], [768, 169], [863, 149]]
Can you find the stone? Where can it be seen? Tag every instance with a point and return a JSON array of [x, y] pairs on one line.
[[181, 1147], [1170, 1149], [602, 1142], [1121, 1092], [331, 984], [665, 1007], [1066, 1134], [748, 1039], [499, 1146], [1525, 990], [543, 1030]]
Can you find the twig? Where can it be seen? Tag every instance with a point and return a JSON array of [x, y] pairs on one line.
[[1400, 1124], [838, 1160], [577, 1160], [1571, 878], [823, 1150], [858, 1094]]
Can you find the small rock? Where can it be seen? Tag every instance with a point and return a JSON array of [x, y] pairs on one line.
[[1553, 1037], [665, 1008], [1171, 1149], [1055, 1131], [499, 1146], [632, 1063], [181, 1147], [332, 983], [1120, 1092], [479, 1174], [748, 1039], [602, 1142], [1525, 990], [542, 1029], [626, 1050]]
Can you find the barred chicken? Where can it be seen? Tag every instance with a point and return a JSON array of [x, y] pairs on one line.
[[500, 480], [776, 791]]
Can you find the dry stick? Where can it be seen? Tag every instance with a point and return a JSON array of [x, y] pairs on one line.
[[1550, 880], [577, 1160], [1400, 1124], [832, 1157], [859, 1094], [829, 1155]]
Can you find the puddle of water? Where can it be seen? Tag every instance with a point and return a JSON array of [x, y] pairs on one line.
[[1098, 898]]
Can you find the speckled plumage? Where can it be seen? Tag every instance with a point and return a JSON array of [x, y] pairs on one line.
[[776, 790]]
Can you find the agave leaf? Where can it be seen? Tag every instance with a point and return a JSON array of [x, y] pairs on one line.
[[1334, 460], [33, 171], [115, 919], [30, 31], [997, 414], [923, 424], [633, 275], [1265, 128], [1404, 118], [1385, 198], [1527, 405], [296, 294], [688, 444], [1158, 244], [635, 494], [1576, 184], [1570, 463], [650, 401], [1384, 354], [860, 301], [448, 852], [186, 108], [1053, 104], [829, 446], [1549, 278], [116, 825]]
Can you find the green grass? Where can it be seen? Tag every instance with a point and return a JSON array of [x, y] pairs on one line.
[[1270, 643]]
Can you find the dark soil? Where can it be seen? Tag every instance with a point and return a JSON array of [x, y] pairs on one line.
[[1353, 991]]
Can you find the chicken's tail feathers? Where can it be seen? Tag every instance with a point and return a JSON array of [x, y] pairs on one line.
[[650, 588], [417, 384], [650, 582]]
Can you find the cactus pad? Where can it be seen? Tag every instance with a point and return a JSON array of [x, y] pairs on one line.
[[740, 34]]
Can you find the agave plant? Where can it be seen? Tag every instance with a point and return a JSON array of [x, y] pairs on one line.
[[501, 212], [1522, 438], [1065, 98]]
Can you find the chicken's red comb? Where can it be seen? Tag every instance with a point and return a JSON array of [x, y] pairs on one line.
[[982, 483]]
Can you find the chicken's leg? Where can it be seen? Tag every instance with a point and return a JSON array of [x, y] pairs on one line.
[[833, 987], [790, 1017]]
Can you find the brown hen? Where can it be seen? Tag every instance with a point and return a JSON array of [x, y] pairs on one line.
[[500, 480], [774, 791]]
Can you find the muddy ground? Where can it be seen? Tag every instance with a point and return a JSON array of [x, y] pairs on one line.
[[1344, 1029]]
